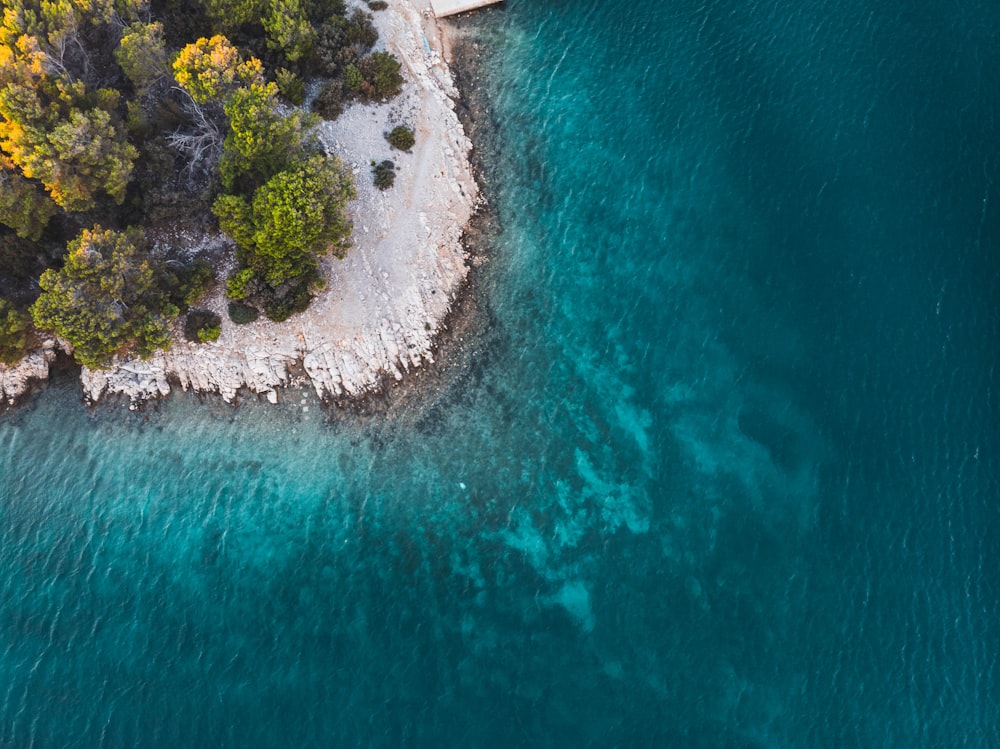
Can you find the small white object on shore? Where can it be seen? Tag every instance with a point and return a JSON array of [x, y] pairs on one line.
[[442, 8]]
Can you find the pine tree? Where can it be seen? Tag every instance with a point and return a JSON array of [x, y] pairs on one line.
[[297, 216], [107, 298]]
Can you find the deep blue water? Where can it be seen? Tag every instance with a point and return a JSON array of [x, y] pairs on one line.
[[723, 472]]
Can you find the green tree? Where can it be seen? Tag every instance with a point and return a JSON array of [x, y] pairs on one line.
[[212, 69], [288, 29], [291, 87], [91, 154], [353, 79], [294, 218], [13, 333], [107, 298], [261, 141], [142, 54], [59, 131], [24, 206], [241, 284], [231, 14]]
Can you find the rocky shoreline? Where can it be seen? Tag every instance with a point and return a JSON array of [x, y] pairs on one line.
[[384, 305]]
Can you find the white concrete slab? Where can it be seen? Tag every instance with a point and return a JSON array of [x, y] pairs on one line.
[[444, 8]]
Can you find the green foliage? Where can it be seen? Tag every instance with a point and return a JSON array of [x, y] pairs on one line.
[[107, 299], [91, 154], [381, 77], [296, 216], [209, 334], [212, 69], [202, 326], [329, 102], [293, 299], [384, 174], [289, 26], [377, 4], [241, 284], [288, 29], [24, 206], [361, 30], [241, 314], [61, 133], [353, 79], [290, 86], [194, 280], [86, 86], [231, 14], [64, 32], [142, 54], [261, 141], [401, 137], [13, 333]]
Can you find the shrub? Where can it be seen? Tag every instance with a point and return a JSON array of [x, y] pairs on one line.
[[241, 313], [142, 54], [239, 285], [381, 77], [13, 333], [377, 4], [202, 325], [282, 306], [332, 52], [192, 282], [329, 102], [385, 175], [353, 80], [290, 86], [261, 140], [209, 334], [360, 29], [401, 137]]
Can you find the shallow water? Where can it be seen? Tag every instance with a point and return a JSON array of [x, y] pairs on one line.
[[722, 472]]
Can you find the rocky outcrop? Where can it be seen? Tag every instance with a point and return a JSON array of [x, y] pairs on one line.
[[17, 380], [384, 303]]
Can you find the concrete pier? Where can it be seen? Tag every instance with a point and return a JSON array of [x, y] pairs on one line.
[[444, 8]]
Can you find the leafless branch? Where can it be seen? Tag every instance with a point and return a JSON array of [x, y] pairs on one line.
[[202, 144]]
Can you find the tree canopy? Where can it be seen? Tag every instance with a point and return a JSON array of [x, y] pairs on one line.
[[142, 54], [261, 141], [13, 333], [139, 115], [107, 298], [24, 205], [55, 127], [213, 69], [293, 219]]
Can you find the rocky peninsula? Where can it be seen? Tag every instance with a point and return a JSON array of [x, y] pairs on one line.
[[382, 305]]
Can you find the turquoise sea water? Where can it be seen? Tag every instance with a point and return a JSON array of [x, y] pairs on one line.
[[723, 472]]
